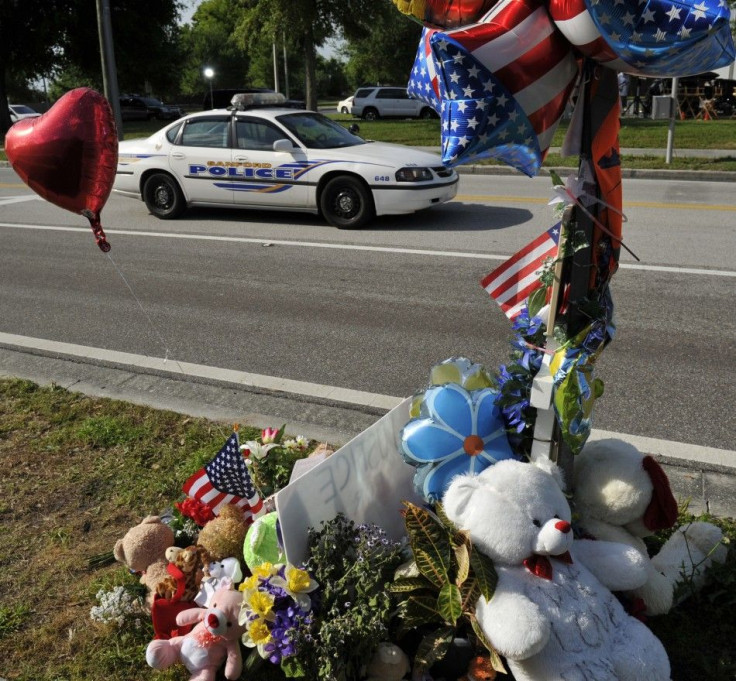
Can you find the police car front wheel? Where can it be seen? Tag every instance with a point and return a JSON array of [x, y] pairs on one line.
[[346, 203], [163, 196]]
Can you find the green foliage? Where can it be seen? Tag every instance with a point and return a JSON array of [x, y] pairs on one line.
[[13, 618], [210, 40], [353, 565], [699, 633], [438, 592], [390, 33]]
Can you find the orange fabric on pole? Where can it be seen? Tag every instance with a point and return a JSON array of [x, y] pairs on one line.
[[605, 154]]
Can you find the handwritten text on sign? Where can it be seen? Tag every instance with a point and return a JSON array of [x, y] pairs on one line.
[[367, 480]]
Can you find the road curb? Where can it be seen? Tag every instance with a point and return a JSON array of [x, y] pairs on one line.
[[627, 173], [701, 477]]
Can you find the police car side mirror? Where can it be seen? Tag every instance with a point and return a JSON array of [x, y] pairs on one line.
[[283, 145], [354, 128]]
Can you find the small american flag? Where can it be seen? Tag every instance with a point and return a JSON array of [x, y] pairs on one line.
[[511, 284], [655, 38], [226, 480]]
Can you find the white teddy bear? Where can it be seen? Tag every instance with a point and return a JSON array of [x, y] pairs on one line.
[[224, 573], [622, 495], [552, 615]]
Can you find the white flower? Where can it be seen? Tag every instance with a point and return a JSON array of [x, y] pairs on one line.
[[302, 443], [115, 606], [256, 449]]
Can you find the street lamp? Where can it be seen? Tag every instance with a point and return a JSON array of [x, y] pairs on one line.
[[209, 74]]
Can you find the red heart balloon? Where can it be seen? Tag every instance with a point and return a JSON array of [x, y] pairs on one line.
[[69, 154]]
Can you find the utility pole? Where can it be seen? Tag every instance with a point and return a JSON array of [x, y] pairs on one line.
[[286, 68], [109, 69], [275, 68], [671, 129]]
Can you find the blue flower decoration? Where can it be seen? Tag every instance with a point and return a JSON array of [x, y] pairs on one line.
[[458, 432]]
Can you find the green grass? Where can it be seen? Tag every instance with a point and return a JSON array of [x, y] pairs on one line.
[[79, 471], [635, 133]]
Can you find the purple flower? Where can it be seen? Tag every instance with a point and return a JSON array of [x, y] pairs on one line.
[[525, 325]]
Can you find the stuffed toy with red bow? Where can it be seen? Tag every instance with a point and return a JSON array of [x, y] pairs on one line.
[[553, 614], [623, 495], [215, 639]]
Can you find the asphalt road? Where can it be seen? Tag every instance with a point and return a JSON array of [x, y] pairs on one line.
[[284, 295]]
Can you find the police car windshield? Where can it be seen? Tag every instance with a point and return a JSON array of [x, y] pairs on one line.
[[316, 131]]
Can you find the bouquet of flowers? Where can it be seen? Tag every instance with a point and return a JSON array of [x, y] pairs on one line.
[[276, 605], [271, 459]]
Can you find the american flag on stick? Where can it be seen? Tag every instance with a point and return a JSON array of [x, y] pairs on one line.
[[226, 480], [511, 284]]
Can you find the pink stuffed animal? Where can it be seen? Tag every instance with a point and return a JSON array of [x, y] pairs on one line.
[[215, 638]]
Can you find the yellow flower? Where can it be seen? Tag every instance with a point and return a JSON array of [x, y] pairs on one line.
[[264, 570], [260, 603], [248, 584], [297, 583], [259, 631], [297, 580]]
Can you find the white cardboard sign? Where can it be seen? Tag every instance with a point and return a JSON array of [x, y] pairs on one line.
[[367, 480]]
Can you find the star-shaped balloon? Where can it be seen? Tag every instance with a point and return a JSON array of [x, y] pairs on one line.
[[655, 38]]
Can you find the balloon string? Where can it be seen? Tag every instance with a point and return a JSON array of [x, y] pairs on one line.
[[145, 314]]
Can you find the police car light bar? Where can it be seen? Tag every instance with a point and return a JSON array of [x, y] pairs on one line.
[[246, 100]]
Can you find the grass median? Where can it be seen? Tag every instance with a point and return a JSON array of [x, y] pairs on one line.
[[79, 471]]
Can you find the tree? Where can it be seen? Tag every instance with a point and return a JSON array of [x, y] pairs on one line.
[[29, 35], [308, 24], [146, 42], [392, 33], [210, 41]]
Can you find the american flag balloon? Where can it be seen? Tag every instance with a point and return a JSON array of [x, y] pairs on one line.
[[424, 79], [655, 38], [505, 82]]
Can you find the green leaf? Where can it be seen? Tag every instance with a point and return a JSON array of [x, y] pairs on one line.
[[407, 584], [418, 610], [485, 573], [462, 557], [496, 661], [292, 668], [430, 543], [432, 647], [449, 603], [470, 593], [431, 567], [537, 300], [556, 179], [279, 434], [456, 536]]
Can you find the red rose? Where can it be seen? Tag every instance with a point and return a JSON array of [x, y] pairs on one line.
[[200, 513]]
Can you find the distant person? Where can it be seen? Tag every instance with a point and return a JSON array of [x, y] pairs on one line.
[[623, 90]]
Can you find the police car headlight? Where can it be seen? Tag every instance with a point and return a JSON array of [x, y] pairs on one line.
[[413, 174]]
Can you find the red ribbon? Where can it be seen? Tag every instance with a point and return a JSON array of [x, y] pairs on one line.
[[541, 566]]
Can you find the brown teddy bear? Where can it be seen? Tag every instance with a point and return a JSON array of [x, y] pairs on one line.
[[223, 537], [143, 550], [184, 574]]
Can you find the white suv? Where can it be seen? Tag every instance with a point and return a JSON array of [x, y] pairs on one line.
[[371, 103]]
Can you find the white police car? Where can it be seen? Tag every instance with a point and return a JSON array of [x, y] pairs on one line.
[[256, 154]]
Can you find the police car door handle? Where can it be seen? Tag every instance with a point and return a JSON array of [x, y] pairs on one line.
[[241, 158], [177, 155]]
